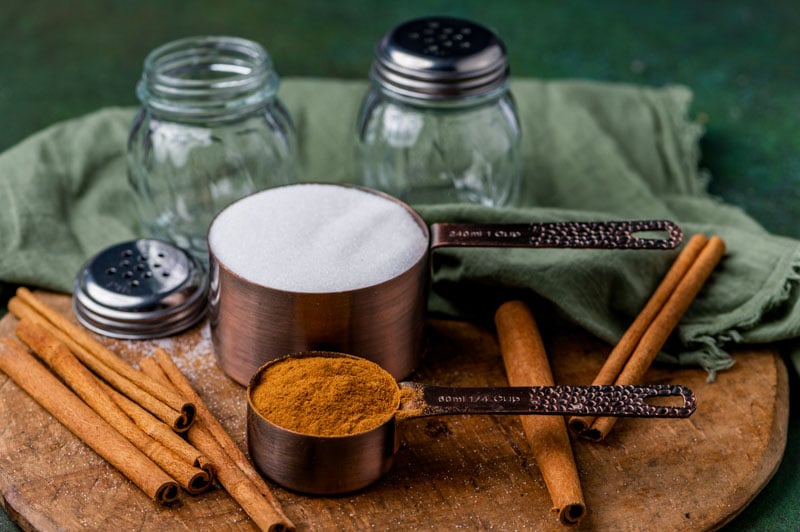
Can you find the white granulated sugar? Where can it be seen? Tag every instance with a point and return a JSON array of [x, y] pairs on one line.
[[317, 238]]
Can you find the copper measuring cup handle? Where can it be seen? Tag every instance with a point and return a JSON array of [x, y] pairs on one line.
[[613, 401], [586, 235]]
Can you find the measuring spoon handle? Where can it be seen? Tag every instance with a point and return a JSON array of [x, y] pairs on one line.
[[582, 235], [420, 400]]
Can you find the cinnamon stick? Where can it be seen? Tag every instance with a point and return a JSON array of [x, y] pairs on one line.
[[264, 513], [194, 480], [179, 420], [83, 422], [661, 327], [212, 424], [161, 432], [263, 509], [622, 351], [79, 336], [526, 365]]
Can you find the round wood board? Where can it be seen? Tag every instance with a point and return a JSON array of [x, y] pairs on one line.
[[473, 472]]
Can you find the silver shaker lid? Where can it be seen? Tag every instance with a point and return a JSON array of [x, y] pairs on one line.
[[141, 289], [436, 58]]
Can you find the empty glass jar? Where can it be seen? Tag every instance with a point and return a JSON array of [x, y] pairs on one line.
[[439, 124], [210, 131]]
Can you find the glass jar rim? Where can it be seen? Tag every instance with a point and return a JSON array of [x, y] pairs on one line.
[[207, 77]]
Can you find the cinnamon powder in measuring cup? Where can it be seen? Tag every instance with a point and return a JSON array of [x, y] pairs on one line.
[[326, 396]]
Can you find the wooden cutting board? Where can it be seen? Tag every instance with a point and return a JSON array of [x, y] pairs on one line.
[[473, 472]]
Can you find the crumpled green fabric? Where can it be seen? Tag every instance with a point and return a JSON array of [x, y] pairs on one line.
[[592, 151]]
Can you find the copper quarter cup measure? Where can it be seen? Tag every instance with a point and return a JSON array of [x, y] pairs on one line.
[[253, 322], [326, 465]]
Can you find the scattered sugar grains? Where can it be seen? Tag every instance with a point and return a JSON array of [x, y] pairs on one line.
[[317, 238]]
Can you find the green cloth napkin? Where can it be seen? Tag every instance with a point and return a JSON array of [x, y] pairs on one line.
[[592, 151]]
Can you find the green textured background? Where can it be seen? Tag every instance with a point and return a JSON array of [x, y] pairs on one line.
[[63, 59]]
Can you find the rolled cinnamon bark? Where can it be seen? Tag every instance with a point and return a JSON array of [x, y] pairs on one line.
[[526, 365], [161, 432], [79, 336], [179, 420], [263, 512], [661, 327], [252, 494], [212, 424], [627, 344], [194, 480], [84, 423]]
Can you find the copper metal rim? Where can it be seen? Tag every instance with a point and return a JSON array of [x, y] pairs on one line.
[[414, 214]]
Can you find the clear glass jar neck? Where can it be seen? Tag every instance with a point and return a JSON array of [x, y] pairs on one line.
[[455, 103], [207, 78]]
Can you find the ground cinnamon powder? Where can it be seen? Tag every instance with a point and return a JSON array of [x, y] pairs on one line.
[[326, 396]]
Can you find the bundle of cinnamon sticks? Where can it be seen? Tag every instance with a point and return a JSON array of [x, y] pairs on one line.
[[151, 425], [526, 364]]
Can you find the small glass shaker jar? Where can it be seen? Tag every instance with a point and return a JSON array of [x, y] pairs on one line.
[[439, 124], [210, 131]]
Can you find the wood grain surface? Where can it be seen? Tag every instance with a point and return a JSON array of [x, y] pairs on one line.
[[470, 472]]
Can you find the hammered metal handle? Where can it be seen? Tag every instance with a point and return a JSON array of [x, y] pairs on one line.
[[612, 401], [583, 235]]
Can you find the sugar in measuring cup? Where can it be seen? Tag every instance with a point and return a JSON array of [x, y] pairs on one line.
[[321, 422]]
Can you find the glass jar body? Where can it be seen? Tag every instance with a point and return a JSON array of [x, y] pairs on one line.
[[423, 152], [196, 145]]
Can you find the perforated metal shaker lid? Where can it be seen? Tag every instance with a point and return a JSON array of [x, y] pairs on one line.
[[141, 289], [437, 58]]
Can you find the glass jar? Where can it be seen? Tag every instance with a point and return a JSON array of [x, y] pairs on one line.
[[210, 131], [439, 124]]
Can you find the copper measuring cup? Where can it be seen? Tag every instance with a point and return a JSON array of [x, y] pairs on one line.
[[252, 323], [326, 465]]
